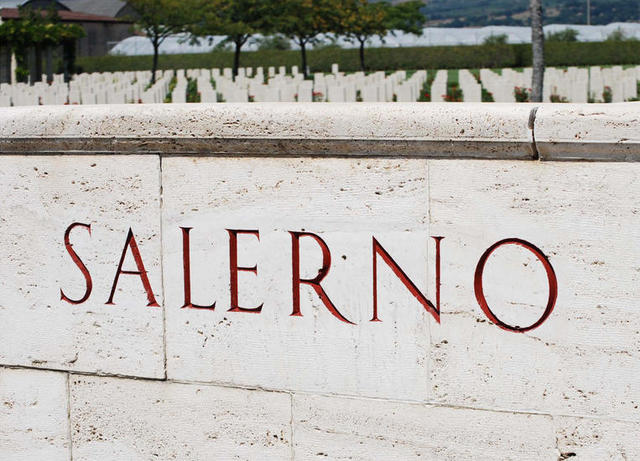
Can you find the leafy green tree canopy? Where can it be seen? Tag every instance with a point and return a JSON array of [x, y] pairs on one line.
[[275, 42], [159, 19], [362, 20], [38, 28], [238, 20], [303, 20], [406, 16]]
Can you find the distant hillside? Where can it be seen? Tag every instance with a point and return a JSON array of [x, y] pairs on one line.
[[469, 13]]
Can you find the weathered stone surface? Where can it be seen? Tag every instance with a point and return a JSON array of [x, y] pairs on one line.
[[272, 120], [354, 429], [587, 438], [460, 389], [345, 202], [264, 129], [33, 415], [584, 359], [588, 131], [139, 420], [42, 196]]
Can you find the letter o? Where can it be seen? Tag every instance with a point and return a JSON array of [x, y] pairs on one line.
[[551, 277]]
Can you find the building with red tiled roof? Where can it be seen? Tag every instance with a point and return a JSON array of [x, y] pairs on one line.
[[103, 31]]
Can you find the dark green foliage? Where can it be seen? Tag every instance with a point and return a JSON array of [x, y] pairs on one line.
[[567, 35], [238, 20], [487, 96], [275, 42], [500, 39], [38, 29], [172, 86], [425, 95], [193, 95], [161, 18], [436, 57], [619, 35], [454, 93], [406, 16], [585, 54], [522, 94]]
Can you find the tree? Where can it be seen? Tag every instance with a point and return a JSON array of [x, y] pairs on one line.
[[238, 20], [275, 42], [361, 21], [500, 39], [537, 44], [36, 29], [566, 35], [620, 35], [406, 16], [162, 18], [303, 20]]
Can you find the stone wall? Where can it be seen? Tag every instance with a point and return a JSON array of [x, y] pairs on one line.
[[123, 225]]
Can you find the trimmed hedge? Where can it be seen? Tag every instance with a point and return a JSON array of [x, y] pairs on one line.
[[433, 57]]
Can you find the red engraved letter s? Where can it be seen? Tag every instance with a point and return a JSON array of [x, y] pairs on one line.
[[76, 259]]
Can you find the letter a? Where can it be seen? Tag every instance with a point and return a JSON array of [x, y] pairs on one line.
[[141, 272]]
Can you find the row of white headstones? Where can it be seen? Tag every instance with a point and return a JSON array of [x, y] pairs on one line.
[[215, 85], [574, 84]]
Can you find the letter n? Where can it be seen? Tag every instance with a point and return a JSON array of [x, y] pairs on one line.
[[378, 250]]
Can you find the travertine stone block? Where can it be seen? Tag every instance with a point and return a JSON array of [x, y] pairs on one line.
[[128, 419], [588, 438], [584, 360], [345, 202], [268, 129], [42, 197], [588, 132], [33, 415], [354, 429]]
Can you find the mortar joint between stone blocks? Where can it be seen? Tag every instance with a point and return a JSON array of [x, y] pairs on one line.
[[532, 127]]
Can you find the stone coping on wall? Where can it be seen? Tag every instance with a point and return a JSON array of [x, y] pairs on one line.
[[256, 284], [436, 130]]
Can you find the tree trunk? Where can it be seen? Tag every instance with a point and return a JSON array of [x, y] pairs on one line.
[[362, 67], [69, 58], [537, 44], [154, 67], [5, 64], [236, 57], [303, 51], [66, 67], [49, 64], [38, 64]]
